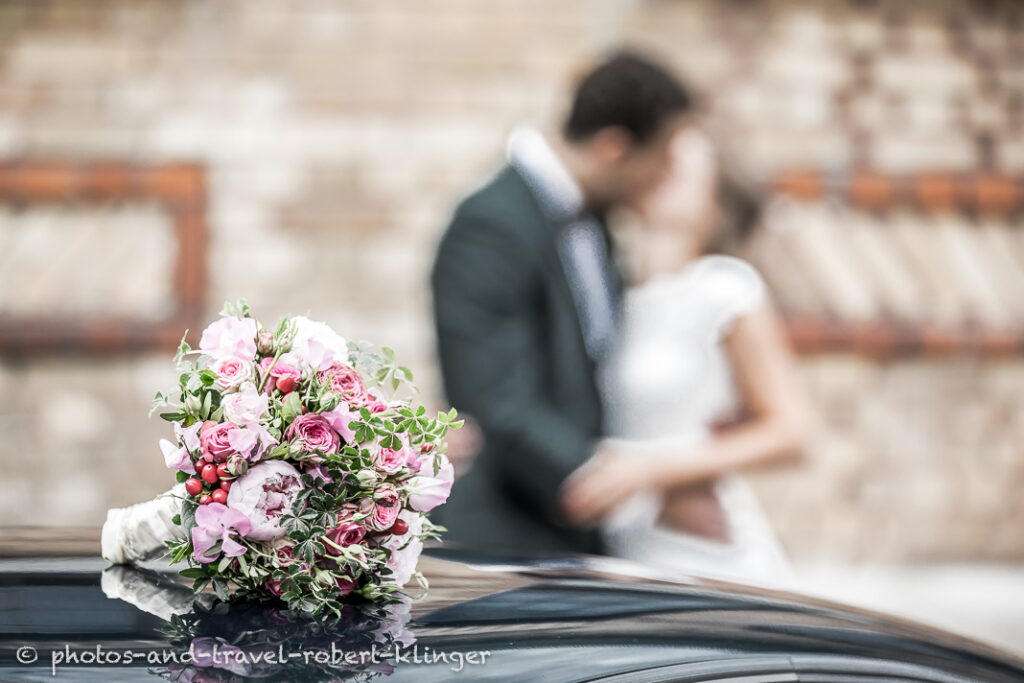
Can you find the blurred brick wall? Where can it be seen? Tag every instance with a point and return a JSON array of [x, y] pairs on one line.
[[337, 135]]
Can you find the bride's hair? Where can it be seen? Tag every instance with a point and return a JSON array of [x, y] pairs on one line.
[[741, 205]]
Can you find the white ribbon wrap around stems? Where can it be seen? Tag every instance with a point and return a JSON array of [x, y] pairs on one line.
[[149, 591], [139, 532]]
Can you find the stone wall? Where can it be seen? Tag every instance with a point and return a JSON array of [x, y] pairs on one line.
[[337, 135]]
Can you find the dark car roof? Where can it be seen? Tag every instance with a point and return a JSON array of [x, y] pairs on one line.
[[555, 619]]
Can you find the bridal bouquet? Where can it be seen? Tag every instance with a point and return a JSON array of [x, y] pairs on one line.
[[298, 477]]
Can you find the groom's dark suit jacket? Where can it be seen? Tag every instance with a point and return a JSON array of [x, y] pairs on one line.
[[513, 358]]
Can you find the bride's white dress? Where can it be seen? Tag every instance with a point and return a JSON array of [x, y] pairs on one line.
[[670, 379]]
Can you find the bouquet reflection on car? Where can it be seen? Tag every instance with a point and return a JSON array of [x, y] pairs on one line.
[[222, 641]]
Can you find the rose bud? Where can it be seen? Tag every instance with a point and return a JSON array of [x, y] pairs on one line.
[[329, 402], [265, 343], [367, 478], [237, 465]]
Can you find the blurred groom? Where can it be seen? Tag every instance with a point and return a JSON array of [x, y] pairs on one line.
[[526, 298]]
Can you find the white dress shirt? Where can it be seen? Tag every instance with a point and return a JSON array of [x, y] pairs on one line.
[[581, 242]]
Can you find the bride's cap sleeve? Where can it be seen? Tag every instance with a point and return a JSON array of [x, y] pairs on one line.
[[735, 287]]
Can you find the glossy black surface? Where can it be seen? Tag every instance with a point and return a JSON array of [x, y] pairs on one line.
[[554, 619]]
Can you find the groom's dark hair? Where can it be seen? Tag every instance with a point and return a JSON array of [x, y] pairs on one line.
[[627, 90]]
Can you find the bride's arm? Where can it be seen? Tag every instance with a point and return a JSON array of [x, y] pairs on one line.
[[765, 373]]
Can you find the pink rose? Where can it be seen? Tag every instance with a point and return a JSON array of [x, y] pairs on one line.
[[385, 511], [428, 489], [229, 337], [284, 553], [388, 460], [231, 373], [263, 494], [214, 439], [284, 374], [273, 587], [375, 401], [345, 584], [345, 381], [314, 432], [345, 534]]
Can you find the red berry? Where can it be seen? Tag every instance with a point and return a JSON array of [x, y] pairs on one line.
[[204, 499], [426, 448], [193, 486], [399, 527], [219, 496], [222, 471], [226, 484], [285, 384], [209, 474]]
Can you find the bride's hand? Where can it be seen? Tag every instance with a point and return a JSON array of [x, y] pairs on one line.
[[610, 477]]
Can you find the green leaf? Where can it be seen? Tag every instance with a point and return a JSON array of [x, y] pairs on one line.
[[205, 412], [291, 407], [188, 515], [220, 587]]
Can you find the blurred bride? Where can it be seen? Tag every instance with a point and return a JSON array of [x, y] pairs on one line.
[[701, 387]]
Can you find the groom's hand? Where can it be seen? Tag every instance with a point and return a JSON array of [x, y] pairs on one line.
[[610, 477]]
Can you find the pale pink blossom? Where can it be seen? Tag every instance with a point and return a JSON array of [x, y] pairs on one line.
[[405, 549], [246, 407], [230, 337], [215, 524], [263, 494], [428, 489], [341, 417], [315, 344], [176, 457]]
